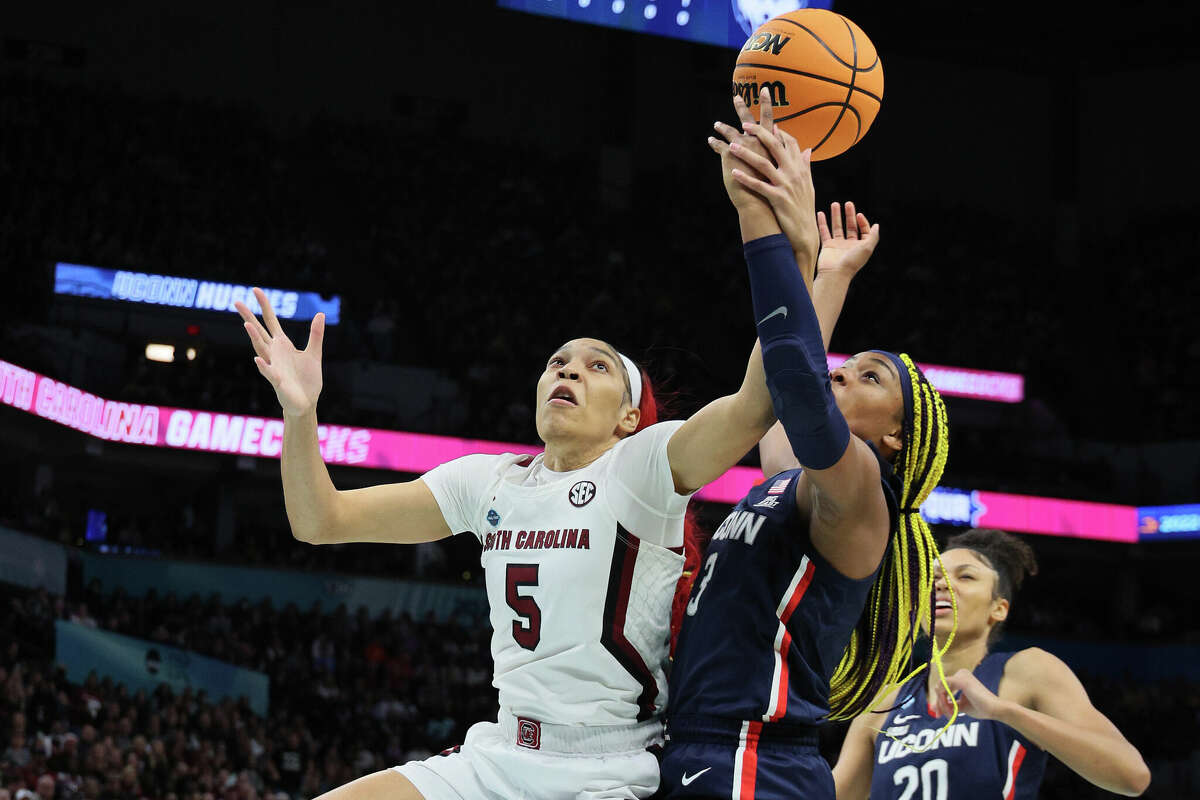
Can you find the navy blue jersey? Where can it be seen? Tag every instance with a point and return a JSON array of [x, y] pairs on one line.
[[768, 619], [973, 759]]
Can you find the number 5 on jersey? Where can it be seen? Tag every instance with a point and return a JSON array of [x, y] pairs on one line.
[[527, 628]]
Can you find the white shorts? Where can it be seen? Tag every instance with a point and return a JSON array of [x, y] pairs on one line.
[[569, 763]]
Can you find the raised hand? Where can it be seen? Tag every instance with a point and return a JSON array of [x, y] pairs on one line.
[[845, 248], [780, 172], [742, 198], [294, 374]]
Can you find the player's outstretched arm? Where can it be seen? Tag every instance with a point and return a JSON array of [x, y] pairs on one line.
[[1055, 713], [840, 467], [844, 251], [718, 435], [317, 511]]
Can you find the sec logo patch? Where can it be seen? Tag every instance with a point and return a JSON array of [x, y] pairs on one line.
[[582, 493]]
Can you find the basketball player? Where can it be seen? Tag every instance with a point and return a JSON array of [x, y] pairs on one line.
[[581, 546], [775, 635], [1014, 708]]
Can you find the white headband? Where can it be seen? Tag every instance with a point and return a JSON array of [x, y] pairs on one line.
[[635, 379]]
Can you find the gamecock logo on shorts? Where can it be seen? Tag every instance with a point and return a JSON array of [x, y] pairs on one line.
[[529, 733], [582, 493]]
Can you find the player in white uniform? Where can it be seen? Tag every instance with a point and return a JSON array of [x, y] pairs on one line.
[[581, 546]]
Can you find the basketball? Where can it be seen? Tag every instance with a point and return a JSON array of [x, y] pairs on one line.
[[825, 78]]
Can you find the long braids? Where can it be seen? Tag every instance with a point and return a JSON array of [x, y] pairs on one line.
[[881, 645]]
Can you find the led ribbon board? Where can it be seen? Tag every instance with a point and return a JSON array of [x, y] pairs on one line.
[[977, 384], [147, 288], [727, 23], [1168, 522], [206, 431]]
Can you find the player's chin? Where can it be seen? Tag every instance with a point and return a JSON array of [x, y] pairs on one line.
[[555, 422]]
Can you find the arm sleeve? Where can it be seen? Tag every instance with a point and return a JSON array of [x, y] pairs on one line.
[[642, 492], [794, 354], [459, 485]]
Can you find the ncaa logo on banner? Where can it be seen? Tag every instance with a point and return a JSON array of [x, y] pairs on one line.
[[529, 733], [582, 493]]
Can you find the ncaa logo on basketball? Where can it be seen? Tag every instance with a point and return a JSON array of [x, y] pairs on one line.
[[582, 493], [529, 733], [767, 41]]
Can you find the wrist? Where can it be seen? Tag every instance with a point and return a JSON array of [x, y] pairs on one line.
[[756, 221], [301, 416], [1007, 712]]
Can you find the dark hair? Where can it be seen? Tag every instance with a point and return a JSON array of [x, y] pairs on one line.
[[1010, 557], [881, 644]]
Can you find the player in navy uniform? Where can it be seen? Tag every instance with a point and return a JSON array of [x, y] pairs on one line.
[[1014, 708], [808, 592]]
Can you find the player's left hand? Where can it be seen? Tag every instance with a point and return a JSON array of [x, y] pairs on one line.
[[845, 249], [973, 697]]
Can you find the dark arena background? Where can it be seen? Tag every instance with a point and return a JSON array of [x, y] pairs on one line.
[[469, 186]]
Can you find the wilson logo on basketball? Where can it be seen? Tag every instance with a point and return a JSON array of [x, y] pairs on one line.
[[582, 493], [764, 41], [750, 92]]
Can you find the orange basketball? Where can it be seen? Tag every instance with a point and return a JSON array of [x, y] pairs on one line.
[[825, 78]]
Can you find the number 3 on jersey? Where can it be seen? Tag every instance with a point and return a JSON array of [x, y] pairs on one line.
[[527, 628], [709, 565]]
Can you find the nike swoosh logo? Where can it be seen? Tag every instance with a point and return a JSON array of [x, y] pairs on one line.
[[902, 720], [780, 310], [686, 779]]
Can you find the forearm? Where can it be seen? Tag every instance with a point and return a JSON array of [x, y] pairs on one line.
[[829, 295], [308, 493], [1104, 760], [797, 374]]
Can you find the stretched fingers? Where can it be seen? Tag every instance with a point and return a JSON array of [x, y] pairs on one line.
[[745, 116], [851, 221], [772, 143], [763, 165], [756, 185], [261, 344], [823, 227], [316, 335], [766, 112], [251, 320], [864, 227], [719, 146], [269, 318], [835, 220]]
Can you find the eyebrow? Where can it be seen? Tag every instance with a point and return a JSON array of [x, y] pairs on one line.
[[888, 364], [611, 355]]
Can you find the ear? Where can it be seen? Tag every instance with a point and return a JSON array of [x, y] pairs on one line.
[[628, 422], [892, 444], [999, 611]]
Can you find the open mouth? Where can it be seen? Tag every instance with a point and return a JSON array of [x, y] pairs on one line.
[[562, 396], [943, 605]]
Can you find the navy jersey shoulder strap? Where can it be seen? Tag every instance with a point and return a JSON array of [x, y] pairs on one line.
[[991, 670]]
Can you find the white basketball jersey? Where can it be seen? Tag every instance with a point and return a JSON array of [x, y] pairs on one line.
[[581, 572]]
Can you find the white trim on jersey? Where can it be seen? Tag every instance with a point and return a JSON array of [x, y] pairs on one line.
[[1016, 754], [777, 704], [737, 761]]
